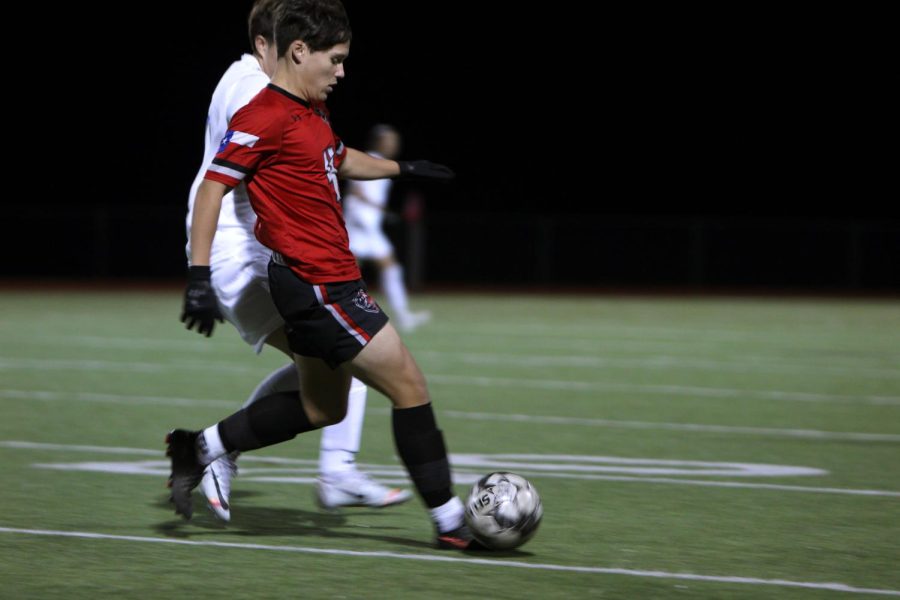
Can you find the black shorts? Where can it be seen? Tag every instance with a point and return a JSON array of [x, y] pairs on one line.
[[331, 321]]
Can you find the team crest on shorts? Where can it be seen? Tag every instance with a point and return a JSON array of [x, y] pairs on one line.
[[365, 302]]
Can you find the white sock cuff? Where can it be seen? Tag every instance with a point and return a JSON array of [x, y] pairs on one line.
[[448, 516], [214, 446]]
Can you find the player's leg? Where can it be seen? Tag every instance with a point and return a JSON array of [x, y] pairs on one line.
[[240, 279], [270, 420], [395, 289], [216, 482], [240, 276], [368, 243], [387, 365], [341, 482]]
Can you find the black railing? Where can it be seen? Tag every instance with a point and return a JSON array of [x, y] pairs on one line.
[[148, 242]]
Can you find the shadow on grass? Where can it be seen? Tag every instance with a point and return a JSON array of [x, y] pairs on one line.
[[258, 521]]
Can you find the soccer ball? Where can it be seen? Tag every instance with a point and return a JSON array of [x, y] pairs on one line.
[[503, 510]]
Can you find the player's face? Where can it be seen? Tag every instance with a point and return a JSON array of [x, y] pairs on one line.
[[389, 144], [325, 68]]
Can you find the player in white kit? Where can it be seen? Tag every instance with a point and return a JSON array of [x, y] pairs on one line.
[[239, 275], [365, 204]]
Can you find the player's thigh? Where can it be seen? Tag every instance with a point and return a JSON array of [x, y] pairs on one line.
[[323, 390], [240, 279], [386, 364], [278, 339]]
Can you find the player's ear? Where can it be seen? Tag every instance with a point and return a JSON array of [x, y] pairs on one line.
[[298, 52], [261, 45]]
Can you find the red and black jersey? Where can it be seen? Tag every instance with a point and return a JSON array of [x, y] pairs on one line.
[[285, 151]]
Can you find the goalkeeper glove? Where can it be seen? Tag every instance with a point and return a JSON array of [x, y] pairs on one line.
[[200, 305], [425, 169]]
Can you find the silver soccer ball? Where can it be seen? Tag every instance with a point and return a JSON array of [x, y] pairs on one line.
[[503, 510]]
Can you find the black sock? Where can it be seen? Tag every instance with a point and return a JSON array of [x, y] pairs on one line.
[[420, 445], [270, 420]]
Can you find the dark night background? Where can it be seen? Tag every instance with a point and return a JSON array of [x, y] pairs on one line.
[[641, 147]]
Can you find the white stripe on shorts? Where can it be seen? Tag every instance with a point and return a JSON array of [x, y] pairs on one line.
[[344, 324]]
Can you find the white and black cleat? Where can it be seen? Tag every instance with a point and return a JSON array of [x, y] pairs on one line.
[[355, 488]]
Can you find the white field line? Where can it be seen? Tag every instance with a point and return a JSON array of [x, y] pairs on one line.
[[7, 363], [735, 363], [114, 398], [597, 327], [16, 444], [694, 339], [657, 389], [495, 563], [475, 416], [609, 423], [660, 362], [244, 368], [24, 445], [593, 331]]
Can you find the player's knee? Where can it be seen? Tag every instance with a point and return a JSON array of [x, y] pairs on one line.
[[411, 389], [323, 416]]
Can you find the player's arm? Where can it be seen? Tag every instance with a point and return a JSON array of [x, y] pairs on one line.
[[201, 309], [207, 206], [359, 165]]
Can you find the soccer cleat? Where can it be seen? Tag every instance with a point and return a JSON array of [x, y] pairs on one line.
[[355, 488], [186, 469], [460, 538], [216, 484]]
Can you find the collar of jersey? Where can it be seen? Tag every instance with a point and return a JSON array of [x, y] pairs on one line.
[[287, 94]]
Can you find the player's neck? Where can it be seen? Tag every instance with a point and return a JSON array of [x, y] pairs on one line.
[[288, 85]]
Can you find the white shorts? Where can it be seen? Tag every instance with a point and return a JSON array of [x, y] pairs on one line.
[[240, 278], [368, 243]]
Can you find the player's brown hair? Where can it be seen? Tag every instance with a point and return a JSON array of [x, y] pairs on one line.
[[262, 21], [321, 24]]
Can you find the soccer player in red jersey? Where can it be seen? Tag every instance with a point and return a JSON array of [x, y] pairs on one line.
[[282, 146]]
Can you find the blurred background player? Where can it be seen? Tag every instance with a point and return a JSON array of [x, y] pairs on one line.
[[239, 278], [365, 205]]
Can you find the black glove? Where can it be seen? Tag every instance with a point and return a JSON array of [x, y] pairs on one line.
[[425, 169], [200, 305]]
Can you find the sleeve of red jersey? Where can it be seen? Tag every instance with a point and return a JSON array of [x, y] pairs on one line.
[[340, 151], [252, 135]]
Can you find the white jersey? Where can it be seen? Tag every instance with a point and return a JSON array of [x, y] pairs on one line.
[[365, 203], [240, 83], [239, 262]]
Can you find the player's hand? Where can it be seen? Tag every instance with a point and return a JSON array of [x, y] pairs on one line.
[[200, 305], [425, 169]]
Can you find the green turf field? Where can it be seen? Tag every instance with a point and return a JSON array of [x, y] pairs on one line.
[[684, 448]]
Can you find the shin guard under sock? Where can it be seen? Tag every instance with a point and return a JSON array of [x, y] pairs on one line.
[[420, 445], [270, 420]]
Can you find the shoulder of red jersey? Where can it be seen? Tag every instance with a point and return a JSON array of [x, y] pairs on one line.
[[255, 131]]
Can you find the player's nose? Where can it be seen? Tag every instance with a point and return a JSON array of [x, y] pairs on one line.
[[340, 72]]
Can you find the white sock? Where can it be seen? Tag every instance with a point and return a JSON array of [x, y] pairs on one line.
[[212, 447], [394, 289], [448, 516], [284, 379], [340, 442]]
